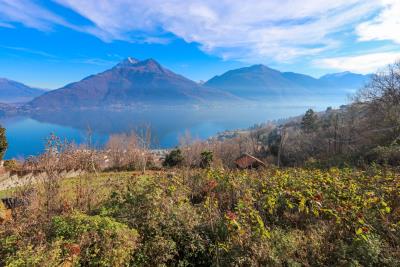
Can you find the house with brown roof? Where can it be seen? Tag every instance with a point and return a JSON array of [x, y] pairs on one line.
[[247, 161]]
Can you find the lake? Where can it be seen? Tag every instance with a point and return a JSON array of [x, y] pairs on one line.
[[27, 135]]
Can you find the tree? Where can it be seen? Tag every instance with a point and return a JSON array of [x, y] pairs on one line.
[[381, 97], [206, 159], [309, 121], [3, 142], [174, 158]]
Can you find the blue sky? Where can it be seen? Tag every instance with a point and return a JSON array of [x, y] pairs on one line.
[[51, 43]]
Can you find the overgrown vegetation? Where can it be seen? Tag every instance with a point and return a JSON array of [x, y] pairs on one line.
[[271, 217], [174, 158], [3, 142]]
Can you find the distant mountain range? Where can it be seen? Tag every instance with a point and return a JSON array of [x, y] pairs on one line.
[[14, 92], [133, 82], [259, 80], [128, 83]]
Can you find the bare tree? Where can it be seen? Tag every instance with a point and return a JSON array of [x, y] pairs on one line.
[[145, 139], [381, 98]]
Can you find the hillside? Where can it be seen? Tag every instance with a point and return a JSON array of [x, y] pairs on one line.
[[260, 80], [15, 92], [129, 83], [272, 217]]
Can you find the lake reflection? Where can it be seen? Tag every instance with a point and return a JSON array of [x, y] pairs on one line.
[[26, 135]]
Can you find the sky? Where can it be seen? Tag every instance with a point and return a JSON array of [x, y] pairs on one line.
[[50, 43]]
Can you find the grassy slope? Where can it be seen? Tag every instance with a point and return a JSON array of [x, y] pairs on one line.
[[272, 217]]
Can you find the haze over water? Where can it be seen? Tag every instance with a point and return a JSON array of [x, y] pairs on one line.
[[27, 135]]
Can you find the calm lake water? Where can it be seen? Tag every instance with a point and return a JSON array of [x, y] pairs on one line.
[[26, 135]]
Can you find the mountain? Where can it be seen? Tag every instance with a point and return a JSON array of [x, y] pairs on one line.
[[14, 92], [345, 79], [259, 80], [130, 82], [254, 81]]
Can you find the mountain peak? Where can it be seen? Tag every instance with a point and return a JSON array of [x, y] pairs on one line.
[[131, 82], [150, 65], [258, 66], [147, 64], [261, 68], [129, 61], [150, 62], [338, 74]]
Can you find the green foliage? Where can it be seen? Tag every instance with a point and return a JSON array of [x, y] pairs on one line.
[[3, 142], [50, 255], [309, 121], [165, 220], [95, 240], [78, 239], [214, 217], [11, 165], [385, 155], [206, 158], [174, 158], [290, 217]]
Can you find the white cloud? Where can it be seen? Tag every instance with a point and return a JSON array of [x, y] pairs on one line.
[[368, 63], [246, 30], [386, 26], [28, 13], [252, 30]]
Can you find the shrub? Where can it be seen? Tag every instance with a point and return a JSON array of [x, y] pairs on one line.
[[95, 240], [206, 158], [174, 158], [165, 219], [385, 155], [44, 255], [270, 217], [3, 142], [12, 165]]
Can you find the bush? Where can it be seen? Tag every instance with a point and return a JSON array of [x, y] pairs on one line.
[[76, 239], [45, 255], [166, 221], [206, 158], [12, 165], [385, 155], [270, 217], [3, 142], [174, 158], [95, 240]]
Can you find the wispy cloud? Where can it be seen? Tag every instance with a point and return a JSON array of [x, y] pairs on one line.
[[6, 25], [280, 30], [253, 30], [28, 50], [29, 14], [367, 63], [386, 26]]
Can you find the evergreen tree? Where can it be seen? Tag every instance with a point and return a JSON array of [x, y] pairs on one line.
[[3, 142], [309, 121], [206, 159], [174, 158]]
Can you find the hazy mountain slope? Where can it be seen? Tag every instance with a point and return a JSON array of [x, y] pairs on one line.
[[129, 82], [345, 80], [253, 81], [13, 92], [259, 80]]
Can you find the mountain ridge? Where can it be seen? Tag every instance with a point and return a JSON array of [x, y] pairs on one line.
[[128, 83], [13, 92], [260, 80]]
